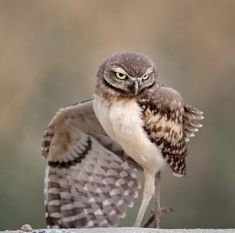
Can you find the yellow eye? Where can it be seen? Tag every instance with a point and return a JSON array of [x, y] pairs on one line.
[[120, 76], [145, 77]]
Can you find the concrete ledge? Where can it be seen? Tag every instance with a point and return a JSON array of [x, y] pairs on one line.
[[123, 230]]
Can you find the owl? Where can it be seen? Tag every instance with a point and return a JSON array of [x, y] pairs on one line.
[[95, 149]]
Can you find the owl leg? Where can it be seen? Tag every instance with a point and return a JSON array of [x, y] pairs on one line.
[[148, 192], [159, 211]]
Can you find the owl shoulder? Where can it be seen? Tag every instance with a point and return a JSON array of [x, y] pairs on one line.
[[164, 99]]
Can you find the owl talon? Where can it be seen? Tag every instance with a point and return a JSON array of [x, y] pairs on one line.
[[156, 217]]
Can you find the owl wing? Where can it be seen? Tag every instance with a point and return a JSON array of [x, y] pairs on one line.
[[169, 124], [191, 117], [88, 182]]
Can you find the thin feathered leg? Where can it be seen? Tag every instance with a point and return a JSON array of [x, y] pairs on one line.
[[148, 192], [159, 211]]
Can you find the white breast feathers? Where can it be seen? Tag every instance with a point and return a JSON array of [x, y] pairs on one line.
[[122, 122]]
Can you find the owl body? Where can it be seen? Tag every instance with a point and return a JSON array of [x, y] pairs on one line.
[[94, 148], [123, 123]]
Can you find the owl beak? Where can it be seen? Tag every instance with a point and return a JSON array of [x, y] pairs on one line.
[[134, 87]]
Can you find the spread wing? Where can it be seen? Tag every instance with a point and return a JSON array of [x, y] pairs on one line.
[[169, 124], [88, 181]]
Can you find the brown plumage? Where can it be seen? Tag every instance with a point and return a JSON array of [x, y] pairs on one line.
[[169, 123], [94, 148], [89, 182]]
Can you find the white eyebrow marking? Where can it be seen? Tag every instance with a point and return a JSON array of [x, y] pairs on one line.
[[149, 70], [119, 70]]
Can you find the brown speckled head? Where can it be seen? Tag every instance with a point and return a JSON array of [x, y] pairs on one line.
[[126, 75]]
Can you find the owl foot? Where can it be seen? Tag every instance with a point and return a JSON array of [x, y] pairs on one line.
[[156, 217]]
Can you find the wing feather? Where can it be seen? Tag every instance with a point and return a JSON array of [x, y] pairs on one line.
[[89, 182], [169, 124], [191, 124]]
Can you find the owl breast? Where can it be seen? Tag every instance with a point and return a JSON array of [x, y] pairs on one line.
[[122, 121]]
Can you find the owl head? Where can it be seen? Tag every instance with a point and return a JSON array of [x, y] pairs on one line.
[[127, 74]]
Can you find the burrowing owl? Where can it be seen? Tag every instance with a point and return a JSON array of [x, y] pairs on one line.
[[95, 148]]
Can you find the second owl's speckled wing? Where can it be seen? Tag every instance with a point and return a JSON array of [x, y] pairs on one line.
[[169, 124]]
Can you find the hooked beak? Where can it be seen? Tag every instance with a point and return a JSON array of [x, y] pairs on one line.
[[134, 86]]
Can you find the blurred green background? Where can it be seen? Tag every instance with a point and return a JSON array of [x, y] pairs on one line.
[[49, 54]]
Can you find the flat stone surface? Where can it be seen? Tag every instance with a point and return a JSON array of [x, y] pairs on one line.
[[124, 230]]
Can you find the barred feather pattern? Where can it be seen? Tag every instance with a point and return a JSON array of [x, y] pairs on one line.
[[169, 125], [89, 182], [93, 193], [190, 121]]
